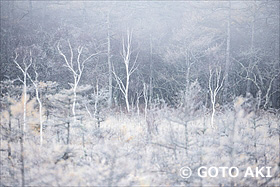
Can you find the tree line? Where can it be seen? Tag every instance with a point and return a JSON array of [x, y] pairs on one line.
[[141, 52]]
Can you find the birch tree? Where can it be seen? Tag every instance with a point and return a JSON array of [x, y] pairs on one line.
[[76, 68], [215, 83], [109, 60], [24, 69], [145, 95], [227, 51], [36, 84], [130, 66]]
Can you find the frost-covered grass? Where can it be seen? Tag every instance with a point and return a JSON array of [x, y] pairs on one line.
[[123, 152]]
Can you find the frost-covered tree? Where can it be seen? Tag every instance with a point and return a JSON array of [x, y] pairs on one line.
[[130, 66]]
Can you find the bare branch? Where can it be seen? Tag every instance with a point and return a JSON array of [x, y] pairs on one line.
[[65, 59], [71, 53], [119, 81]]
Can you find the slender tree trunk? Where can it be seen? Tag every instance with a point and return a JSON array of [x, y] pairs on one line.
[[126, 100], [40, 115], [188, 66], [76, 73], [248, 87], [73, 111], [36, 84], [68, 123], [137, 104], [126, 88], [267, 95], [10, 134], [126, 55], [96, 103], [24, 100], [22, 156], [151, 71], [74, 102], [213, 100], [11, 172], [227, 51], [215, 85], [24, 81], [109, 61], [145, 91]]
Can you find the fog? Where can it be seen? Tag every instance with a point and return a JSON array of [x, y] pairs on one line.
[[139, 93]]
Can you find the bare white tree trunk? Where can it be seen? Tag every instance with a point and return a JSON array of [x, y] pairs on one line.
[[215, 85], [130, 67], [24, 70], [74, 101], [24, 100], [127, 85], [36, 85], [41, 118], [77, 73], [267, 95]]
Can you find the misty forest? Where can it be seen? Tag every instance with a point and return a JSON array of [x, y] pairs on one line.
[[126, 93]]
